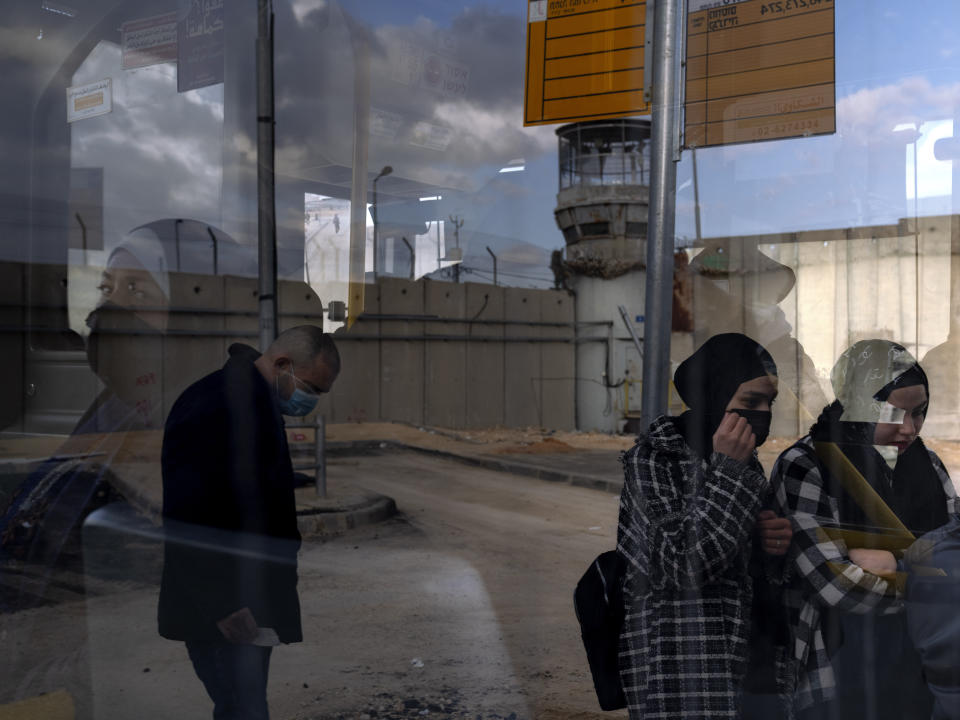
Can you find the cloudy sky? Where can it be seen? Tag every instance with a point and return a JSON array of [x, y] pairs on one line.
[[445, 87]]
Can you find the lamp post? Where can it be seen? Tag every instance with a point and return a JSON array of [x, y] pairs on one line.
[[266, 180], [376, 240], [494, 265], [457, 224]]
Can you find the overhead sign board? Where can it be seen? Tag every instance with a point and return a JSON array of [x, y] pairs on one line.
[[200, 44], [148, 41], [90, 100], [585, 60], [759, 70]]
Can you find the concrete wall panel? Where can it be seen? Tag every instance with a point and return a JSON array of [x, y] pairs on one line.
[[298, 305], [356, 395], [189, 356], [241, 303], [445, 360], [522, 360], [401, 361], [484, 396], [556, 385], [57, 382]]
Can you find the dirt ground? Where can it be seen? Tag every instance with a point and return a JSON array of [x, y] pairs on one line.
[[458, 608]]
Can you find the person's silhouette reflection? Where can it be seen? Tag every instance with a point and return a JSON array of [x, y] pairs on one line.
[[125, 345], [737, 288], [125, 350]]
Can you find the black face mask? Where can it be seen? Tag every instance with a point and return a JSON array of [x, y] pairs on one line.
[[760, 422]]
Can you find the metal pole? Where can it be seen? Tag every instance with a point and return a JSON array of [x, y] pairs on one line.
[[216, 261], [266, 216], [376, 221], [916, 239], [494, 265], [83, 236], [630, 330], [320, 456], [696, 195], [457, 224], [413, 257], [376, 231], [360, 178], [176, 239], [660, 240]]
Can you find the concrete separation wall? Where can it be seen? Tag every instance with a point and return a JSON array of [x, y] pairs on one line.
[[458, 356]]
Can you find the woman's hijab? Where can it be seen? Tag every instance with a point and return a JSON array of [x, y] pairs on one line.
[[708, 380], [863, 379]]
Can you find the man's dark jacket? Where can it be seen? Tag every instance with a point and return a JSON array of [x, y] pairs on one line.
[[228, 506]]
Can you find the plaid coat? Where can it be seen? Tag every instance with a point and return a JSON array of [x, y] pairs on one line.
[[798, 485], [685, 530]]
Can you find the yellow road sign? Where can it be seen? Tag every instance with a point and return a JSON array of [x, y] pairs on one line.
[[57, 705], [585, 60], [759, 70]]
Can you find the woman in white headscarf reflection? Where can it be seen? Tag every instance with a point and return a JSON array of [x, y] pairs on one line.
[[125, 350], [853, 488], [125, 345]]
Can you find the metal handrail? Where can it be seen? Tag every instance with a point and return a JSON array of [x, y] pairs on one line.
[[319, 465]]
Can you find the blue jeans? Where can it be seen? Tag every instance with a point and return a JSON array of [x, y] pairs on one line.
[[235, 677]]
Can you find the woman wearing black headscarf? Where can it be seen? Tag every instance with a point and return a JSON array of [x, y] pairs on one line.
[[862, 468], [693, 490]]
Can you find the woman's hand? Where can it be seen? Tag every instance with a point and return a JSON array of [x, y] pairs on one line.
[[734, 438], [775, 532], [878, 562]]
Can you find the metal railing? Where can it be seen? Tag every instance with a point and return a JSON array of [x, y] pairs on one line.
[[319, 465], [613, 152]]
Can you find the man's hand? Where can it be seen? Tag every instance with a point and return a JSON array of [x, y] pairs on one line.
[[239, 627], [775, 532], [734, 438], [878, 562]]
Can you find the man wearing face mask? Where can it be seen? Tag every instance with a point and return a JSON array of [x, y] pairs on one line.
[[230, 574]]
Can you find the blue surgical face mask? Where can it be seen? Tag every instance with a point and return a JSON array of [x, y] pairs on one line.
[[299, 403]]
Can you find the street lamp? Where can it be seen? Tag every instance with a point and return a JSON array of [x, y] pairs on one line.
[[376, 244]]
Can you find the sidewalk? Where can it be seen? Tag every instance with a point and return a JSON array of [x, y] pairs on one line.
[[578, 458], [341, 510]]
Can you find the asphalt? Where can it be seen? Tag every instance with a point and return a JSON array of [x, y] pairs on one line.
[[134, 468], [349, 507]]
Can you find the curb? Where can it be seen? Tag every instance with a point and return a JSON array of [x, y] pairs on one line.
[[321, 524], [591, 482]]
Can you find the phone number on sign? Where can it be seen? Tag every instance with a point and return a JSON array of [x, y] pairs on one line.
[[782, 6], [787, 128]]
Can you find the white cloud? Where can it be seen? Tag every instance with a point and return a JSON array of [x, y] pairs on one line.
[[869, 116]]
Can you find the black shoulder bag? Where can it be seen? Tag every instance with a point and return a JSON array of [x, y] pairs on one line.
[[598, 603]]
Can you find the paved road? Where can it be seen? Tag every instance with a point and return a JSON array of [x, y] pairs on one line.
[[460, 607]]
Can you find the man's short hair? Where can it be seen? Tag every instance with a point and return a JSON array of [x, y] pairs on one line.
[[303, 343]]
